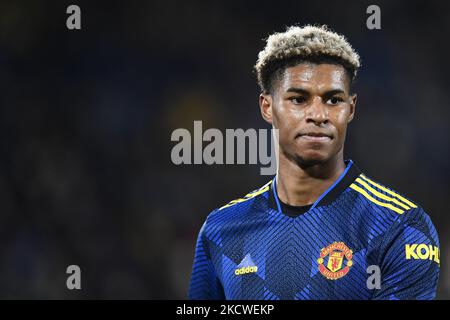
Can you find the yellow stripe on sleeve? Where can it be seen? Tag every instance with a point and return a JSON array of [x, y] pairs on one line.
[[381, 195], [409, 203], [370, 198], [248, 196]]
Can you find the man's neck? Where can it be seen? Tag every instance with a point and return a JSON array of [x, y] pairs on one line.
[[301, 186]]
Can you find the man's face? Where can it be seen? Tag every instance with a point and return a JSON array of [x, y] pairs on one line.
[[311, 106]]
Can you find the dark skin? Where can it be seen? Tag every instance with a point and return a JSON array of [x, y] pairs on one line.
[[311, 107]]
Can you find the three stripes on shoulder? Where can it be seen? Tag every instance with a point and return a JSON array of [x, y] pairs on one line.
[[391, 200], [250, 195]]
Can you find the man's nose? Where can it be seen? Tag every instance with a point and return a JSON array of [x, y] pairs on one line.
[[317, 112]]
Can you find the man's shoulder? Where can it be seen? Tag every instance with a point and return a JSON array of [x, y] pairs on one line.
[[384, 198], [240, 205], [392, 214], [385, 206]]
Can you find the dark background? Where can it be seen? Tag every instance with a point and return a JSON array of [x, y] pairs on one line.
[[86, 118]]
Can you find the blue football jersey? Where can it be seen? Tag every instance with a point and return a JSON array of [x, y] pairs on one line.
[[359, 240]]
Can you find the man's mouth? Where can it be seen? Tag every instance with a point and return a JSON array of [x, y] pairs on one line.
[[315, 136]]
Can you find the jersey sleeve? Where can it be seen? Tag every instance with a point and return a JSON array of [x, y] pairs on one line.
[[410, 259], [205, 284]]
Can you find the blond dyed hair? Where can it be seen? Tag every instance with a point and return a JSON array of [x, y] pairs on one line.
[[315, 44]]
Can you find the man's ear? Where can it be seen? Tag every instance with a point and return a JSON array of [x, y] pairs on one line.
[[353, 99], [265, 104]]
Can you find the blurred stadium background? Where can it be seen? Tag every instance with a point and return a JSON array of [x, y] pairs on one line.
[[86, 118]]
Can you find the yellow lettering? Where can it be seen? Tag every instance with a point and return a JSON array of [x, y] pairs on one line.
[[422, 251], [245, 270]]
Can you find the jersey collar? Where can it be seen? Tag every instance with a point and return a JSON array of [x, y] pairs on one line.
[[347, 177]]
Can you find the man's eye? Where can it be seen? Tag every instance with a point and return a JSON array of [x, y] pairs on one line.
[[298, 100], [335, 100]]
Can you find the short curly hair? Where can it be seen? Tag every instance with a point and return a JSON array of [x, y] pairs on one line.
[[313, 44]]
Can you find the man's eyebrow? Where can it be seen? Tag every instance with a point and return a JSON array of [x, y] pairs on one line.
[[333, 92], [297, 90], [304, 91]]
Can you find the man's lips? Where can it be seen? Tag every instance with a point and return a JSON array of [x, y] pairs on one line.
[[316, 139], [315, 136]]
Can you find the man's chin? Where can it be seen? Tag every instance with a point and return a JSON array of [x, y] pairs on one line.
[[306, 161]]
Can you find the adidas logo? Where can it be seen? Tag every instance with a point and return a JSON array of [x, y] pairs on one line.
[[246, 266]]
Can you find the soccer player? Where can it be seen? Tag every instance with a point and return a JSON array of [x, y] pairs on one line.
[[321, 229]]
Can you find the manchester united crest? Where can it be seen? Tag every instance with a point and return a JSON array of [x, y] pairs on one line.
[[335, 260]]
